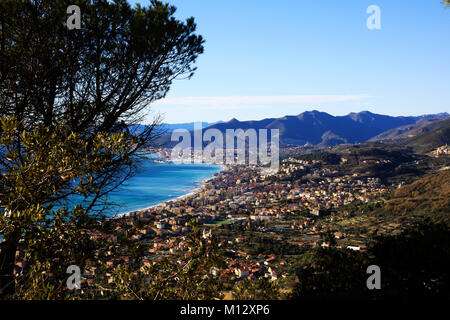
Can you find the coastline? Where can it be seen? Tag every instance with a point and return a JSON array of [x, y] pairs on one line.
[[191, 193]]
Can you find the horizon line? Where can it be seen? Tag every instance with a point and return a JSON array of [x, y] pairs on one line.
[[313, 110]]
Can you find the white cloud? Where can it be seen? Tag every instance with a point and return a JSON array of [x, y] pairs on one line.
[[230, 107], [238, 102]]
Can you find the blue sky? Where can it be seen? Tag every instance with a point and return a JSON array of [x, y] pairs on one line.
[[269, 58]]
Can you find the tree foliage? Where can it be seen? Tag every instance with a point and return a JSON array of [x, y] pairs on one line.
[[330, 158], [165, 279], [263, 289], [51, 165], [70, 102], [431, 193], [414, 264]]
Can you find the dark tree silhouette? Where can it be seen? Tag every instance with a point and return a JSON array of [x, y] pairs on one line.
[[414, 265], [95, 82]]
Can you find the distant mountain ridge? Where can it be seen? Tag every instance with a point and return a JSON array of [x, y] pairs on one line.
[[320, 128], [188, 125], [409, 131], [429, 140], [166, 128]]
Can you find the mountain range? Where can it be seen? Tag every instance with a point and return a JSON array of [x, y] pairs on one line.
[[409, 131], [169, 127], [437, 136], [320, 128]]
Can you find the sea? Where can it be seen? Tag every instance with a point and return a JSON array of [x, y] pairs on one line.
[[155, 183]]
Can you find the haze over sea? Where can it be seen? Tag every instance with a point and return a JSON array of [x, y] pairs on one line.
[[159, 182]]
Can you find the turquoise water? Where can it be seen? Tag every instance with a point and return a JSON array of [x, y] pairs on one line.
[[159, 182], [155, 183]]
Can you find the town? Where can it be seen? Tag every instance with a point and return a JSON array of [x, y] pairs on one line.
[[262, 222]]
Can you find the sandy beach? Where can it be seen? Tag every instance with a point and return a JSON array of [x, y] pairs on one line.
[[192, 192]]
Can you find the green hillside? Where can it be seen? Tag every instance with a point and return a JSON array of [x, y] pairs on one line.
[[431, 194], [428, 141]]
